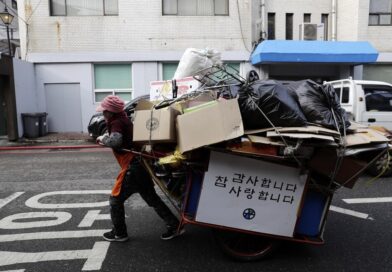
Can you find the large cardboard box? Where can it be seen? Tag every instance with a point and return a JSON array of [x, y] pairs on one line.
[[154, 125], [220, 121], [249, 194]]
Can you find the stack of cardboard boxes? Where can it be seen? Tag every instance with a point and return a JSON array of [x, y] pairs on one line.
[[277, 155]]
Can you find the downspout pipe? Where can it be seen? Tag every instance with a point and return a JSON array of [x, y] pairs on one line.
[[262, 16], [334, 21]]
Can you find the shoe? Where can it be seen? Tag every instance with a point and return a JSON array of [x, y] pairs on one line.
[[172, 233], [111, 237]]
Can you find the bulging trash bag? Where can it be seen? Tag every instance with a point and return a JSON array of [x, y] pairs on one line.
[[319, 104], [193, 60], [274, 100]]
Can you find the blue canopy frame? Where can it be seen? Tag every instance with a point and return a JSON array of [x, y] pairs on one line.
[[283, 51]]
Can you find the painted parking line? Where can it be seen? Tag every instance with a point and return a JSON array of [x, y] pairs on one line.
[[350, 212], [8, 199], [94, 257], [368, 200], [52, 235]]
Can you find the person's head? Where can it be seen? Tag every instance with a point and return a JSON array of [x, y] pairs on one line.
[[111, 105]]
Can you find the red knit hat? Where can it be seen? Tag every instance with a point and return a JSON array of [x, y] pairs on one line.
[[111, 103]]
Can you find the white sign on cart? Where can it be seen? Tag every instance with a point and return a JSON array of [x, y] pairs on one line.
[[250, 194]]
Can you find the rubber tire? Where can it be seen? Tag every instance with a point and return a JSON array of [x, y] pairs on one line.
[[103, 130], [245, 247], [376, 168]]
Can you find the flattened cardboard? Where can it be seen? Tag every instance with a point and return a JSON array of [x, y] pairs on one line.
[[264, 140], [366, 136], [310, 129], [210, 125], [248, 147], [301, 136]]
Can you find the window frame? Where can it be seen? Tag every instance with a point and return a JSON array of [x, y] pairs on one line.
[[214, 13], [66, 15], [111, 91], [378, 14]]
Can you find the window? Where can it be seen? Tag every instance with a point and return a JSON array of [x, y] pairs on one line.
[[83, 7], [113, 79], [14, 5], [168, 70], [307, 17], [378, 98], [343, 94], [195, 7], [289, 26], [380, 12], [271, 26], [324, 20]]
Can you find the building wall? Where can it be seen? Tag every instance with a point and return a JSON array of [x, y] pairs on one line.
[[67, 73], [139, 26], [298, 8], [348, 19], [25, 91]]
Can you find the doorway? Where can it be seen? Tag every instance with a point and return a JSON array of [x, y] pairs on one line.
[[64, 107]]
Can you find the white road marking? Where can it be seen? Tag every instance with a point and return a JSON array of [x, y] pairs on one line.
[[33, 202], [9, 221], [94, 256], [19, 270], [368, 200], [91, 217], [5, 201], [350, 212], [52, 235]]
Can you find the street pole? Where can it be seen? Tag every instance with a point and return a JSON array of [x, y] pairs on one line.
[[9, 42]]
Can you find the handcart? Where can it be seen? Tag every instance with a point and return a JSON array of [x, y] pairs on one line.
[[185, 186], [254, 198]]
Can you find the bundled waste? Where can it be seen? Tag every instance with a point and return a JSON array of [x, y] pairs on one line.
[[298, 124]]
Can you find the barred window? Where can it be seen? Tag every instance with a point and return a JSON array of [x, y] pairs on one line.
[[195, 7], [83, 7], [380, 12]]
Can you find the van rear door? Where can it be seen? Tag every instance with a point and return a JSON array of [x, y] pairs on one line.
[[378, 100]]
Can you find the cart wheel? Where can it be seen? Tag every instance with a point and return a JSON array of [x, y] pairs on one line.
[[245, 247]]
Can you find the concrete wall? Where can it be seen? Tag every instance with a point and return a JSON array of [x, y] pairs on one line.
[[139, 26], [298, 8], [67, 73], [25, 90]]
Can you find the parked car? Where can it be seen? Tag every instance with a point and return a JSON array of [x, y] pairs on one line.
[[97, 125]]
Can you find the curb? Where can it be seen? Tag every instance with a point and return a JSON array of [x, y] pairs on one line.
[[49, 147]]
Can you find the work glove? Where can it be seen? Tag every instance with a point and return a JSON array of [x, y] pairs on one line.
[[100, 138]]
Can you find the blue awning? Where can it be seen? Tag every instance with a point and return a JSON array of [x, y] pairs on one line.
[[276, 51]]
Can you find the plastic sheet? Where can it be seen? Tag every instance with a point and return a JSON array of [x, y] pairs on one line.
[[320, 104], [194, 60], [275, 100]]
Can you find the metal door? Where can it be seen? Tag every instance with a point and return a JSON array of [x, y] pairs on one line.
[[64, 107]]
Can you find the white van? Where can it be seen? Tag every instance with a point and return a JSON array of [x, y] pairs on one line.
[[370, 103], [367, 102]]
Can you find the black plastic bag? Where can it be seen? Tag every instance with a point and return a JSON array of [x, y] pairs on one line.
[[320, 104], [274, 100]]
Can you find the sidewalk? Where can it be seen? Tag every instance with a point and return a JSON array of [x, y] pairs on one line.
[[51, 139]]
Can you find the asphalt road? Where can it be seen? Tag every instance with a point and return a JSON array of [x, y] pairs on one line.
[[43, 231]]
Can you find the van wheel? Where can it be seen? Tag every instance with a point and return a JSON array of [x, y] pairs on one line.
[[379, 166]]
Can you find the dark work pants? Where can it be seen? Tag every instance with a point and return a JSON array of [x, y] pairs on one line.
[[137, 180]]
